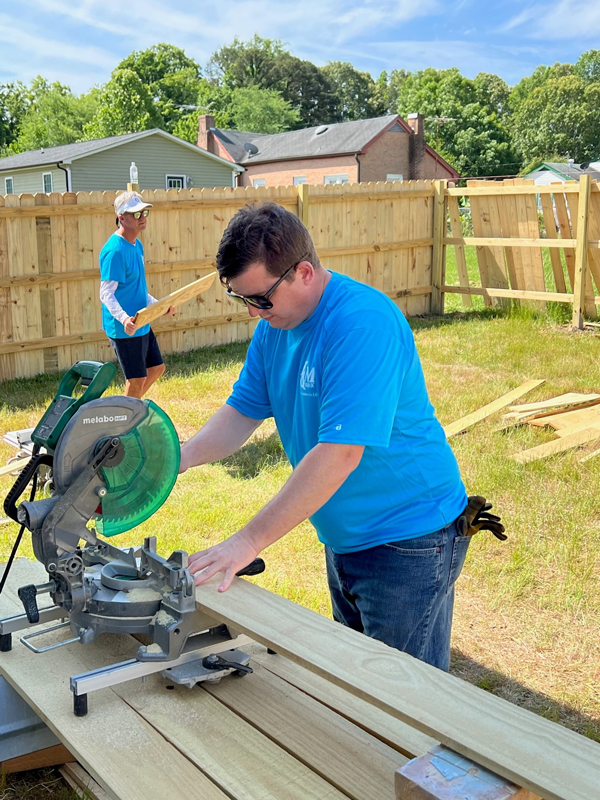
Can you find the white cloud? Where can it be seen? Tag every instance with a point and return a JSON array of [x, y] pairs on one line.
[[566, 19]]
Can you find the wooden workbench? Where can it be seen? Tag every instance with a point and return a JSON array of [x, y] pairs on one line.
[[332, 716]]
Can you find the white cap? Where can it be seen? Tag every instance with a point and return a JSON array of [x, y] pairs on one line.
[[129, 203]]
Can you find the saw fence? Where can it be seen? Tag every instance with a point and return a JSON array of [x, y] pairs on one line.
[[333, 715]]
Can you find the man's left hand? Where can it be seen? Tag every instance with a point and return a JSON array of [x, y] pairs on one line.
[[229, 557], [170, 312]]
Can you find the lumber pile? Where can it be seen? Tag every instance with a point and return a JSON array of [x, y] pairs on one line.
[[575, 418]]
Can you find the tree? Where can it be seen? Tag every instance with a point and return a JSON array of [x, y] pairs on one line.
[[124, 106], [588, 66], [13, 105], [562, 115], [261, 111], [538, 78], [172, 79], [242, 64], [267, 64], [355, 92], [461, 123], [53, 116], [492, 93]]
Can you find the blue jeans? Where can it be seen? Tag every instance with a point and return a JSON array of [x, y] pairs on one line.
[[401, 593]]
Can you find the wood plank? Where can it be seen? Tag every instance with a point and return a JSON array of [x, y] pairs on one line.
[[486, 411], [240, 760], [560, 400], [437, 257], [176, 298], [82, 783], [581, 253], [388, 729], [531, 751], [552, 234], [355, 762], [119, 749], [558, 445], [40, 759], [590, 456], [14, 466], [501, 241], [566, 233], [567, 419], [475, 190], [459, 250]]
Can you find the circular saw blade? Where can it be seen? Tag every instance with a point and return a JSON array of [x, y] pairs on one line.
[[143, 479]]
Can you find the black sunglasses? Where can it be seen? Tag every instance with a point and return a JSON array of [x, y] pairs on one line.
[[258, 300]]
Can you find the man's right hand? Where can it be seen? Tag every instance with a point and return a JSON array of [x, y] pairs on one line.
[[130, 326]]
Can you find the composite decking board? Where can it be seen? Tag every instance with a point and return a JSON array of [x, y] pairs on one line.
[[533, 752], [122, 752], [357, 763], [241, 760], [388, 729]]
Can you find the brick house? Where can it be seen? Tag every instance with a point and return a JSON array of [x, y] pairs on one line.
[[381, 149]]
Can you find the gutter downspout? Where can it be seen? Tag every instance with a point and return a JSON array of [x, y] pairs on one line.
[[357, 167], [67, 172]]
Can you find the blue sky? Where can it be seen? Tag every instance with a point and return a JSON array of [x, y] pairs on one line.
[[79, 42]]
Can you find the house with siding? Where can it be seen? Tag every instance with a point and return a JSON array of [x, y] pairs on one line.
[[558, 172], [163, 162], [380, 149]]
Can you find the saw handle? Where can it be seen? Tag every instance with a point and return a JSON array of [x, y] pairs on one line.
[[254, 568]]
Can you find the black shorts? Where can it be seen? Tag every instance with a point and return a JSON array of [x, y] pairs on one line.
[[137, 353]]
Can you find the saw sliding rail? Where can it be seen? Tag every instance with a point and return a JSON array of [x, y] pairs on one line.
[[105, 677]]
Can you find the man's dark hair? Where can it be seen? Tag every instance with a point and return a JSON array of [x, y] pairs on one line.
[[267, 234]]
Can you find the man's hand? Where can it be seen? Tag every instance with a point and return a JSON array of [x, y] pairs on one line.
[[130, 326], [229, 557], [170, 312]]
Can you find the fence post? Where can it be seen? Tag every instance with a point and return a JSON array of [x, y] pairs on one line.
[[581, 251], [303, 203], [438, 260]]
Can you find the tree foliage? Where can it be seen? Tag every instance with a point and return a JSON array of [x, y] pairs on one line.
[[356, 93], [49, 114], [125, 105], [172, 79]]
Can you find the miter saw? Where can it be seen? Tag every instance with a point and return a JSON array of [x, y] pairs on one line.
[[114, 461]]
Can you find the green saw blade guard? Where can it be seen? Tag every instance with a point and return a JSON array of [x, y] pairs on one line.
[[141, 482]]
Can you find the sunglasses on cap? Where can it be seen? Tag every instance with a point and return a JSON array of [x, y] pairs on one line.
[[258, 300]]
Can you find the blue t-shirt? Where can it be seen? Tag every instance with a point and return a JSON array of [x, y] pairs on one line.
[[124, 262], [350, 374]]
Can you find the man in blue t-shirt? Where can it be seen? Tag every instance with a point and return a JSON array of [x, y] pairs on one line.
[[334, 362], [123, 293]]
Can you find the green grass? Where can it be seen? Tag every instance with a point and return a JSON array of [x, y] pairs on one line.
[[528, 610]]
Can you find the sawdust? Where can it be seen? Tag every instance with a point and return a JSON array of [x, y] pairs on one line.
[[143, 595], [163, 619], [154, 648]]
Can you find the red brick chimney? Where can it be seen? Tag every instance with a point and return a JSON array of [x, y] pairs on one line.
[[416, 145], [206, 138]]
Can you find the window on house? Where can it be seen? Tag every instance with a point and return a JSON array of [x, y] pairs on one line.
[[394, 176], [9, 186], [336, 178], [175, 181], [299, 180], [47, 182], [258, 182]]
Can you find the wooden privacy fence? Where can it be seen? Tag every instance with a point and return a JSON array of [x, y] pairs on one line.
[[50, 312], [393, 236], [508, 220]]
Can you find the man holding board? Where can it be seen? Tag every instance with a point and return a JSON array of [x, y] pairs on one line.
[[123, 292]]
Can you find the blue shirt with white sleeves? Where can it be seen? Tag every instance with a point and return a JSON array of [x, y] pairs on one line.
[[350, 374], [123, 262]]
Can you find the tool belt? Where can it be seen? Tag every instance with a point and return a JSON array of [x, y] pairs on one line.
[[476, 517]]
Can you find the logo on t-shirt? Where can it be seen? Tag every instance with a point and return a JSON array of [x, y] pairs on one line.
[[307, 377]]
